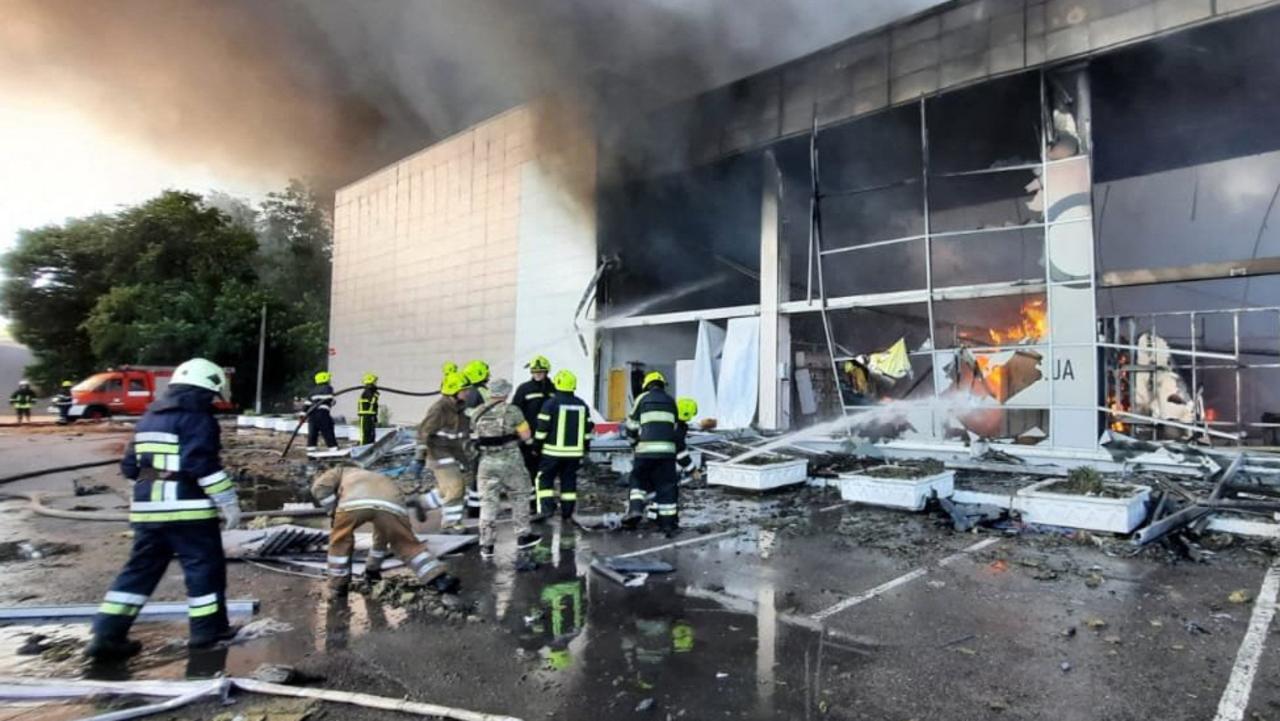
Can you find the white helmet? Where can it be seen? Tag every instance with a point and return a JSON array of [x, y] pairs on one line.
[[24, 382], [204, 374]]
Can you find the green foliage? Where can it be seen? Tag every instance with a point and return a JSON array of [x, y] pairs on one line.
[[177, 277]]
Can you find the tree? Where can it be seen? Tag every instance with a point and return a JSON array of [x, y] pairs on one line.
[[173, 278]]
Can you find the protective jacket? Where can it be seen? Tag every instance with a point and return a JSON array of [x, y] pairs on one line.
[[530, 396], [349, 489], [173, 460], [367, 403], [496, 429], [652, 424], [321, 398], [63, 400], [476, 396], [23, 398], [443, 433], [564, 426]]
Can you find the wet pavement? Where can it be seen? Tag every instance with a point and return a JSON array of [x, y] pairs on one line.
[[928, 623]]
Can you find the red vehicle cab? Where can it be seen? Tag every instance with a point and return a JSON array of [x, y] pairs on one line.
[[125, 391]]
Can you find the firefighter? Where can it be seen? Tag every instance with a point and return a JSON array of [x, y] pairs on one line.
[[367, 408], [498, 430], [529, 398], [357, 497], [477, 375], [319, 406], [564, 425], [63, 402], [22, 400], [447, 368], [179, 488], [651, 428], [442, 438]]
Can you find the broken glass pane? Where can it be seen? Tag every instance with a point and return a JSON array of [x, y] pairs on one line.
[[870, 152], [992, 257], [992, 125], [985, 201], [863, 331], [986, 322], [872, 216], [878, 269]]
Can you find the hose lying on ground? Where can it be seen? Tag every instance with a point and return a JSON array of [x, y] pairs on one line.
[[305, 416], [188, 691], [56, 469], [36, 504]]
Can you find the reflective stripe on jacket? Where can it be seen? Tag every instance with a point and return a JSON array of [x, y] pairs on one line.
[[530, 396], [350, 489], [174, 460], [321, 398], [367, 403], [652, 425], [564, 424]]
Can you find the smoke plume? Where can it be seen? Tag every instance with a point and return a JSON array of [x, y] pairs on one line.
[[329, 89]]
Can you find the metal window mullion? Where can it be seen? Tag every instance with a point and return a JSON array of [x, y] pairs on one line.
[[1195, 387], [1235, 331], [1046, 122], [815, 230], [928, 252], [873, 244]]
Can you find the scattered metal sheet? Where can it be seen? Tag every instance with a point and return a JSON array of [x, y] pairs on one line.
[[155, 609]]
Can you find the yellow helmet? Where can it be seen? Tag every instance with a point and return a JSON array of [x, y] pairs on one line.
[[323, 377], [686, 409], [448, 367], [453, 384], [477, 371], [370, 378], [565, 381], [67, 384], [539, 363], [654, 377]]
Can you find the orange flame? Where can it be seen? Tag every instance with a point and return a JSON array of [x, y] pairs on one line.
[[1032, 325], [992, 377]]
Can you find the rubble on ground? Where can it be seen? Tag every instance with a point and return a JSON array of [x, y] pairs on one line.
[[401, 591]]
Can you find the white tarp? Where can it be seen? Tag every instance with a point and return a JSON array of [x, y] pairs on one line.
[[706, 359], [738, 384]]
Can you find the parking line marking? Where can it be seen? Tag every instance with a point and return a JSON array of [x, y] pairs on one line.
[[1235, 699], [900, 580], [678, 544]]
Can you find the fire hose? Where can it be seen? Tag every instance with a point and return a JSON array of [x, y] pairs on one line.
[[394, 391], [36, 499]]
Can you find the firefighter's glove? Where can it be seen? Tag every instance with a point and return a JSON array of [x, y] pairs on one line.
[[229, 507], [415, 469]]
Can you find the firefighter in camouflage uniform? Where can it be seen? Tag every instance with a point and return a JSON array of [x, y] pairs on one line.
[[498, 430]]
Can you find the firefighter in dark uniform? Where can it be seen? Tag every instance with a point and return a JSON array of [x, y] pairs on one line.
[[63, 402], [22, 400], [651, 428], [319, 406], [179, 488], [367, 409], [529, 398], [564, 426]]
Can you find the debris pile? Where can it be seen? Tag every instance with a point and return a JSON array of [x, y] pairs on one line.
[[407, 593]]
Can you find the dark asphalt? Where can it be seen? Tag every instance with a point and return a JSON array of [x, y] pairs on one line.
[[731, 634]]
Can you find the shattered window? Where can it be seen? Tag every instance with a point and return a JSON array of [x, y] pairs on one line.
[[982, 202], [990, 257], [872, 216], [871, 152], [878, 269], [871, 330], [999, 321], [988, 126]]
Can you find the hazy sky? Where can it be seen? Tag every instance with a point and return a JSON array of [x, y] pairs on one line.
[[109, 103]]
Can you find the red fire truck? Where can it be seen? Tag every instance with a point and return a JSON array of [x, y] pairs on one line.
[[126, 391]]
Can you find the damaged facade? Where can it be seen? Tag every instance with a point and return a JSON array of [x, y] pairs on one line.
[[1060, 208]]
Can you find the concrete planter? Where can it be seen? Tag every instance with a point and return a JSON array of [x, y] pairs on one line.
[[758, 478], [244, 421], [909, 493], [1093, 513], [265, 423]]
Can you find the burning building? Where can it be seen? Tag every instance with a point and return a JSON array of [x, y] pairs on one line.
[[1063, 209]]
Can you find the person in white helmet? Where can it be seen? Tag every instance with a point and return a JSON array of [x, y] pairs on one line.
[[179, 489]]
